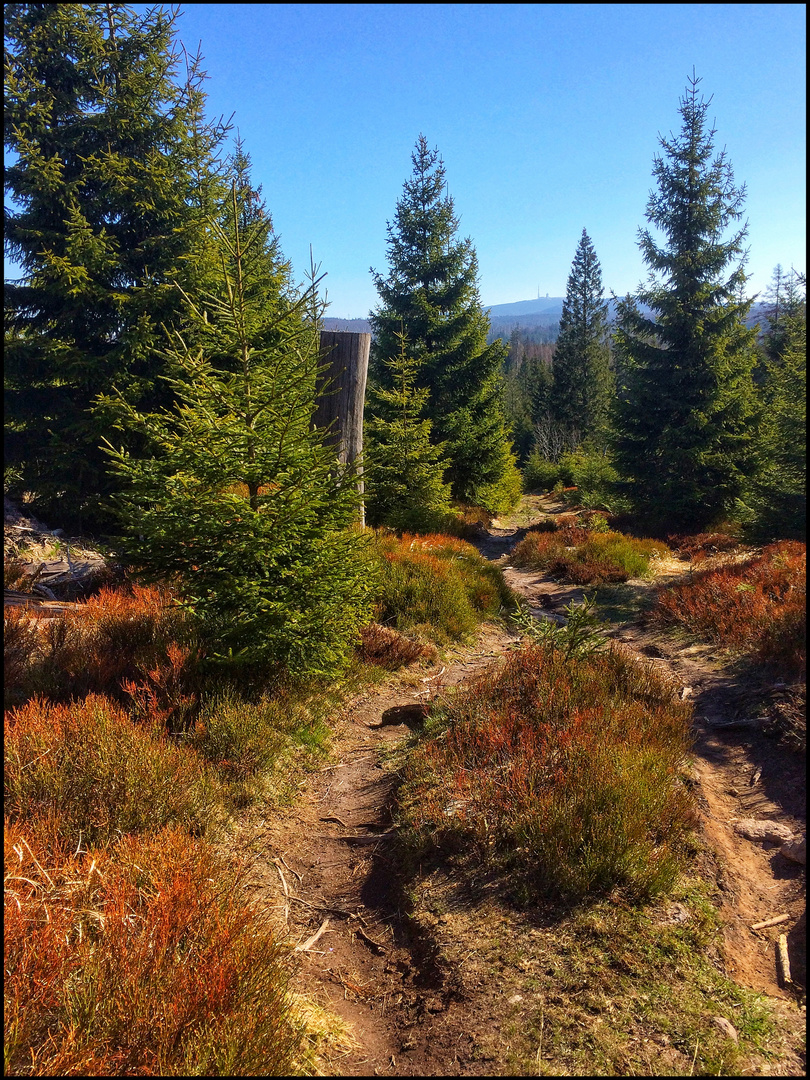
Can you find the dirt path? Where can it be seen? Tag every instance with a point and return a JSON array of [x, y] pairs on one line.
[[329, 867], [370, 966], [740, 774]]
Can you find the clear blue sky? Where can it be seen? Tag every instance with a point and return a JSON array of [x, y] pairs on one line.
[[546, 116]]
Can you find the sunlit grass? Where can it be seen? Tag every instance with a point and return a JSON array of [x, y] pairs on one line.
[[568, 772], [437, 584], [757, 607]]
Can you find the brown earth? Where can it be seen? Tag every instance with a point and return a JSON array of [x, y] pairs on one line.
[[416, 975]]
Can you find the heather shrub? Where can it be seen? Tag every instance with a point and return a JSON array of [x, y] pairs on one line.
[[757, 607], [14, 576], [544, 525], [100, 774], [439, 584], [139, 960], [588, 556], [383, 647], [109, 644], [253, 743], [563, 771], [20, 642], [699, 545]]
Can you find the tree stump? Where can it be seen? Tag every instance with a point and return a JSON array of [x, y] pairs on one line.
[[340, 396]]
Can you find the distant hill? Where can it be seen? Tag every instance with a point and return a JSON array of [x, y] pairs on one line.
[[541, 314], [547, 305], [348, 326]]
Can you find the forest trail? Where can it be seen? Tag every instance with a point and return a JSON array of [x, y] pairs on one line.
[[324, 864]]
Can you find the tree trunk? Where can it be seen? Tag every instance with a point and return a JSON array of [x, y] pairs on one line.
[[341, 394]]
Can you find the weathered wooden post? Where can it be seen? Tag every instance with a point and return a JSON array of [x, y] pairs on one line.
[[340, 396]]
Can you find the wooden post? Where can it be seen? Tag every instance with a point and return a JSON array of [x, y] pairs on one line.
[[341, 395]]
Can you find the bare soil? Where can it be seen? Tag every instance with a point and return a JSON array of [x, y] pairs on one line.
[[430, 987]]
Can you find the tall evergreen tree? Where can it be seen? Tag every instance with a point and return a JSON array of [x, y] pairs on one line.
[[686, 437], [583, 389], [781, 489], [785, 302], [110, 158], [236, 499], [403, 469], [432, 290]]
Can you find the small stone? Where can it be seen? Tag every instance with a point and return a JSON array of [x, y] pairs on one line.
[[763, 832], [515, 998], [796, 850], [726, 1027]]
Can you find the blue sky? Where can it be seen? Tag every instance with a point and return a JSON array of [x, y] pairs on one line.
[[546, 117]]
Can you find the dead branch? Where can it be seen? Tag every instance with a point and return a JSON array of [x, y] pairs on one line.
[[770, 922], [311, 941], [376, 945], [783, 960]]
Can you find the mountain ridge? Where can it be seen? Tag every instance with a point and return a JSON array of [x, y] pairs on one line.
[[543, 311]]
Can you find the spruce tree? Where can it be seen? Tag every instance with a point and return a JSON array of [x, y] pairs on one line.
[[785, 302], [403, 469], [110, 158], [781, 489], [582, 390], [687, 416], [236, 499], [432, 291]]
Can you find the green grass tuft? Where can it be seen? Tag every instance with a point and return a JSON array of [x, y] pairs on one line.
[[565, 771], [438, 585], [588, 556]]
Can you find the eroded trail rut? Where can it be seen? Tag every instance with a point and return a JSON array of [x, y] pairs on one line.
[[326, 861], [369, 966]]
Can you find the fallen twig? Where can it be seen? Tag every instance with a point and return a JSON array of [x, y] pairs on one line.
[[334, 817], [311, 941], [370, 940], [770, 922], [299, 876], [783, 960], [286, 892], [352, 839], [324, 908]]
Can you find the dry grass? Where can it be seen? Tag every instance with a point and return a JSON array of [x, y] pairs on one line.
[[137, 959], [757, 607], [587, 554], [565, 771]]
